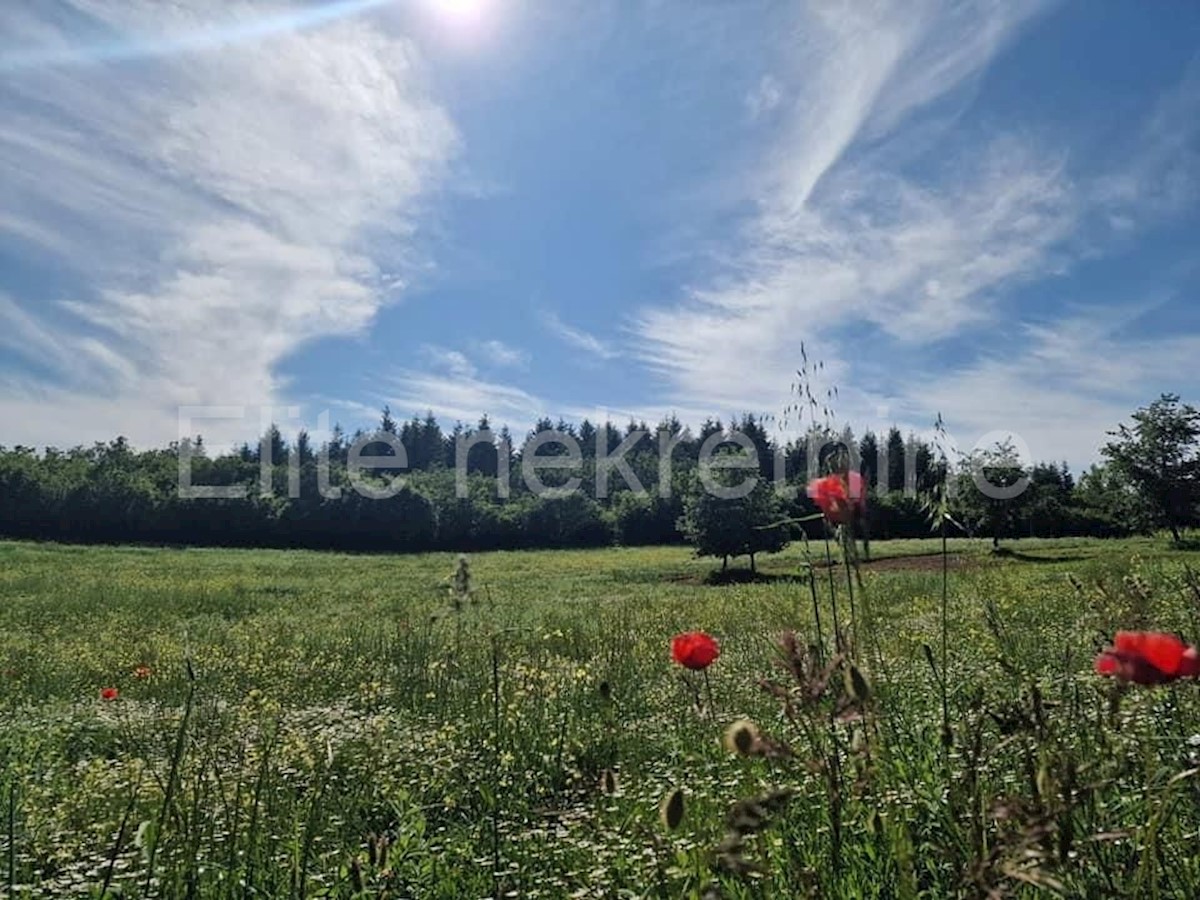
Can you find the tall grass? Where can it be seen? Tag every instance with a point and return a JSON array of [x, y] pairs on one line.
[[339, 735]]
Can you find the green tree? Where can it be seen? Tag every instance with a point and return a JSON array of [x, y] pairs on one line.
[[894, 461], [1160, 455], [1105, 504], [990, 491], [742, 524], [868, 454]]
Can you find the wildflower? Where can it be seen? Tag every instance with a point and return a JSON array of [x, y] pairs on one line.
[[694, 650], [141, 672], [839, 496], [1148, 657], [109, 693]]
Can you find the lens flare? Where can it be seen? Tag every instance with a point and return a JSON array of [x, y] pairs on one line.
[[224, 34]]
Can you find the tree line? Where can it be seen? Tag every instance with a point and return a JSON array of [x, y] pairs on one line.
[[298, 494]]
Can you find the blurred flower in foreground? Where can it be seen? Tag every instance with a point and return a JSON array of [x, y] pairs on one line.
[[1148, 657], [838, 496]]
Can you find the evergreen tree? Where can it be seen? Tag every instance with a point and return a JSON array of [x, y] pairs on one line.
[[868, 452], [386, 422], [587, 438], [895, 460]]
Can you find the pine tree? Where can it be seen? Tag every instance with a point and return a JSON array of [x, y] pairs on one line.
[[386, 422], [895, 460], [868, 452]]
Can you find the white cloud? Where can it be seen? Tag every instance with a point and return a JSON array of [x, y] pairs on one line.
[[501, 354], [223, 202], [580, 339], [1160, 177], [838, 240], [463, 398], [764, 97], [878, 233], [1065, 387], [452, 362], [915, 264]]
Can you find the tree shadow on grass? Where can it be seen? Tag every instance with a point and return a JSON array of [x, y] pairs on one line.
[[717, 578], [1005, 553]]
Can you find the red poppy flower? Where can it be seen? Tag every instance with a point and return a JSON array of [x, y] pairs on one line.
[[838, 496], [1148, 657], [109, 693], [141, 672], [694, 650]]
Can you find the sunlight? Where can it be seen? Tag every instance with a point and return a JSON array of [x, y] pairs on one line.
[[460, 13], [220, 34]]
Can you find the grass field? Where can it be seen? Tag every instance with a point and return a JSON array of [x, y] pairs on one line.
[[294, 724]]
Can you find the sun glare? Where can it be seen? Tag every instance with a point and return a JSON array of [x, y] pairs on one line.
[[460, 12]]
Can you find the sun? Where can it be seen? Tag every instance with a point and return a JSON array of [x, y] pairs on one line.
[[460, 12]]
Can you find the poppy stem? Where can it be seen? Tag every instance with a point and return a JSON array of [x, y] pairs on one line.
[[847, 557], [712, 713], [812, 585], [837, 630]]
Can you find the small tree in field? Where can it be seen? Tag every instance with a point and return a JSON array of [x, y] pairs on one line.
[[990, 490], [728, 526], [1160, 455]]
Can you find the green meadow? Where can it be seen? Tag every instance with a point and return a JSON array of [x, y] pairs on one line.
[[304, 724]]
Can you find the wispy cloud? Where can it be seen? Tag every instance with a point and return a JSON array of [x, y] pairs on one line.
[[221, 207], [1162, 174], [1066, 386], [501, 354], [874, 238], [463, 398], [579, 339], [451, 362], [764, 97]]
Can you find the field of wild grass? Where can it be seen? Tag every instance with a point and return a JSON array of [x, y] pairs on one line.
[[294, 724]]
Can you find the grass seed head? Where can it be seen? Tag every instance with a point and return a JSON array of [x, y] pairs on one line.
[[857, 684], [608, 782], [672, 809], [741, 737]]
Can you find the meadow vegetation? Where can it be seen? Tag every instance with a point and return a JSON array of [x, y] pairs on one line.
[[300, 724]]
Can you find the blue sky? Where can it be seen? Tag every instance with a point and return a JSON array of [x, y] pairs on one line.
[[988, 210]]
